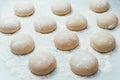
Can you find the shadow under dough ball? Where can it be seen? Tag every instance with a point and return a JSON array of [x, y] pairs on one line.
[[84, 64], [42, 63], [103, 42], [61, 7], [24, 9], [99, 6], [107, 21], [9, 25], [66, 40], [22, 44]]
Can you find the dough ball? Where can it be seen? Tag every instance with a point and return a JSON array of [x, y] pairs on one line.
[[107, 21], [43, 63], [61, 7], [84, 64], [103, 42], [24, 9], [45, 24], [22, 44], [76, 22], [99, 6], [9, 25], [66, 40]]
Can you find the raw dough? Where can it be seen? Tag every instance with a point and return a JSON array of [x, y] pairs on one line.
[[107, 21], [99, 6], [84, 64], [43, 63], [61, 7], [76, 22], [103, 42], [24, 9], [66, 40], [45, 24], [9, 25], [22, 44]]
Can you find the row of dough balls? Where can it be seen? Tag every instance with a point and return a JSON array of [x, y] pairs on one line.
[[83, 64], [64, 40], [46, 24], [59, 7]]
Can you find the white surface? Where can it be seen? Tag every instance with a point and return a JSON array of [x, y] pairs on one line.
[[14, 67]]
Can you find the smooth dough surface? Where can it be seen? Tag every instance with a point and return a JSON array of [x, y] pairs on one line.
[[66, 40], [22, 44], [103, 42], [84, 64], [76, 22], [42, 63], [24, 9], [9, 25], [61, 7], [99, 6], [107, 21], [45, 24]]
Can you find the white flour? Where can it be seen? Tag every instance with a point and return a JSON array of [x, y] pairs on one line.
[[18, 65]]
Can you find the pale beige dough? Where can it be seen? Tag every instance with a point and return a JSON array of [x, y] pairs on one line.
[[45, 24], [107, 21], [24, 9], [9, 25], [61, 7], [76, 22], [103, 42], [99, 6], [66, 40], [43, 63], [22, 44], [84, 64]]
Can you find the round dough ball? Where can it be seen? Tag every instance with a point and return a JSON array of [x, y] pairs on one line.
[[24, 9], [66, 40], [99, 6], [45, 24], [9, 25], [103, 42], [22, 44], [84, 64], [76, 22], [42, 64], [61, 7], [107, 21]]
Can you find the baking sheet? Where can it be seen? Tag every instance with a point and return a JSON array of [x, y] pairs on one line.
[[14, 67]]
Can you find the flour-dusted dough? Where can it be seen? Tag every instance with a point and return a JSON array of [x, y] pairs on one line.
[[45, 24], [22, 44], [61, 7], [66, 40], [76, 22], [24, 9], [107, 21], [9, 25], [103, 42], [42, 63], [99, 6], [84, 64]]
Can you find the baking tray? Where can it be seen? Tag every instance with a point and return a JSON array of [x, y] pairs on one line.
[[14, 67]]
